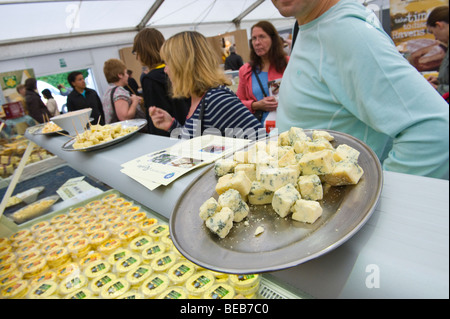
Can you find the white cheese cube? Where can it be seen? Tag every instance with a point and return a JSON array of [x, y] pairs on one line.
[[306, 211], [287, 159], [241, 156], [300, 147], [223, 184], [297, 134], [238, 181], [310, 187], [275, 178], [319, 163], [283, 138], [264, 166], [221, 222], [317, 134], [272, 149], [233, 200], [248, 169], [259, 195], [209, 208], [284, 198], [224, 166], [344, 173], [317, 145], [345, 153]]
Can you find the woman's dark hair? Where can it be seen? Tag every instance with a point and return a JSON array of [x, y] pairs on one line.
[[47, 94], [31, 84], [277, 55], [72, 76], [438, 14]]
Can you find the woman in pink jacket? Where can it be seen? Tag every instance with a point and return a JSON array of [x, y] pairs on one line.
[[268, 61]]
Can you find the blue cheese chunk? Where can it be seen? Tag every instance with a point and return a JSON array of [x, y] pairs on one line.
[[275, 178], [284, 198], [259, 195], [297, 134], [345, 153], [224, 166], [318, 134], [248, 169], [317, 145], [306, 211], [288, 158], [233, 200], [319, 163], [209, 208], [238, 181], [221, 223], [310, 187], [344, 173]]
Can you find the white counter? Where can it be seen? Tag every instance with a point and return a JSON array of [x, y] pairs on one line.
[[401, 252]]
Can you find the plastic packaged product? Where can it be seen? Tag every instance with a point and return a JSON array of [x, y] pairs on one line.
[[42, 224], [5, 250], [127, 264], [153, 251], [164, 262], [116, 202], [82, 293], [46, 248], [147, 223], [154, 285], [158, 231], [78, 218], [21, 234], [115, 289], [72, 283], [34, 267], [118, 255], [140, 243], [91, 257], [58, 257], [167, 239], [197, 284], [67, 230], [124, 206], [47, 239], [73, 236], [109, 246], [79, 248], [174, 293], [45, 231], [26, 258], [8, 258], [43, 290], [220, 291], [98, 238], [59, 218], [106, 199], [136, 218], [220, 276], [107, 214], [27, 249], [87, 222], [112, 219], [76, 211], [7, 268], [129, 233], [244, 281], [67, 270], [63, 224], [16, 290], [138, 275], [181, 271], [133, 294], [97, 268], [48, 275], [98, 226], [22, 242], [116, 228], [99, 282], [93, 204], [97, 211], [11, 277], [130, 211]]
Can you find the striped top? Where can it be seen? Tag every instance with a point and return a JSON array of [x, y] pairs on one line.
[[224, 115]]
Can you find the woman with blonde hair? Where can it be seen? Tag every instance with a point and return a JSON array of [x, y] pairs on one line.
[[155, 83], [194, 71]]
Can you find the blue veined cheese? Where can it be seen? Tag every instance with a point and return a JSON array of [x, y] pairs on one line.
[[283, 138], [318, 134], [209, 208], [264, 166], [259, 195], [272, 148], [275, 178], [221, 223], [284, 198], [344, 173], [233, 200], [345, 153], [317, 145], [241, 157], [224, 166], [297, 134], [259, 157], [248, 169], [306, 211], [310, 187], [319, 163], [238, 181], [288, 158]]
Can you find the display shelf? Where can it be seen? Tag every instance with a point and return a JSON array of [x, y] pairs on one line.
[[401, 252]]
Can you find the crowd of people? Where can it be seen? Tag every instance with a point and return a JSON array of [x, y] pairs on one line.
[[358, 84]]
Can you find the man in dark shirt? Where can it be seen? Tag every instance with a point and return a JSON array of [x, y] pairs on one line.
[[234, 60], [82, 97]]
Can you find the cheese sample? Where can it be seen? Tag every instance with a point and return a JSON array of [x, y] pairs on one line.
[[345, 153], [306, 211], [317, 145], [224, 166], [297, 134], [238, 181], [310, 187], [221, 223], [288, 158], [259, 195], [319, 163], [209, 208], [275, 178], [248, 169], [318, 134], [233, 200], [284, 198], [344, 173]]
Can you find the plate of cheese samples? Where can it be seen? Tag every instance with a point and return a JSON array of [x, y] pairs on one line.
[[283, 201]]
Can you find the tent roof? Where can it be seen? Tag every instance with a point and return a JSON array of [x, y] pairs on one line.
[[36, 20]]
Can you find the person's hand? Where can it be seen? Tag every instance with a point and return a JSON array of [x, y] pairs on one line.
[[135, 99], [267, 104], [160, 118], [433, 80]]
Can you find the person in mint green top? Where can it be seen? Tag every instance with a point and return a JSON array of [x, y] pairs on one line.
[[345, 74]]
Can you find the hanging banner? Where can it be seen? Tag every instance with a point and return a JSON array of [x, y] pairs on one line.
[[409, 32], [10, 80]]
